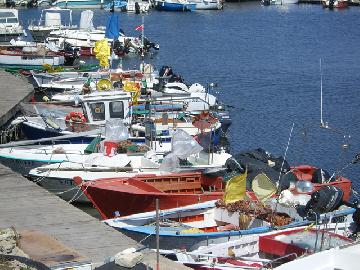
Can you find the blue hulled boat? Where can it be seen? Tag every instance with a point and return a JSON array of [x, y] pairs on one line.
[[174, 5]]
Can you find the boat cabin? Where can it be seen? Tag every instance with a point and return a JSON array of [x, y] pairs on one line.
[[99, 108], [9, 17], [9, 25]]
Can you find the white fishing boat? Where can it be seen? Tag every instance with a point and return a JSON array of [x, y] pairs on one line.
[[50, 20], [101, 80], [341, 257], [22, 159], [58, 178], [80, 3], [290, 249], [105, 106], [9, 25], [136, 6], [30, 55], [208, 4], [279, 2]]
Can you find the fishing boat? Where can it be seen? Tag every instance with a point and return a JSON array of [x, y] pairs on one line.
[[9, 25], [208, 5], [23, 159], [30, 56], [103, 106], [134, 188], [58, 178], [137, 194], [274, 250], [206, 224], [85, 38], [135, 6], [279, 172], [335, 3], [175, 5], [116, 5], [279, 2], [79, 3], [50, 20], [340, 257]]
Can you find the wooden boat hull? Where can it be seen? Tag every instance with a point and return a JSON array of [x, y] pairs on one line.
[[121, 196]]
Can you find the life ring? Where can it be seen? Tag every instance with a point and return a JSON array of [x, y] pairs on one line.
[[76, 117], [104, 85]]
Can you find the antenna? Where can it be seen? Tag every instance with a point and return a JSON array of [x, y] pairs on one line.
[[322, 124]]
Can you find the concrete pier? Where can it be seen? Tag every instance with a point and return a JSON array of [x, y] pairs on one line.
[[26, 206], [13, 90]]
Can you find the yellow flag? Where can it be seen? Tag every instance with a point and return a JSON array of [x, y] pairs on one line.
[[135, 98], [235, 189], [102, 52]]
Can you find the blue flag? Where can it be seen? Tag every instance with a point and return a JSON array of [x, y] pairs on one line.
[[112, 27]]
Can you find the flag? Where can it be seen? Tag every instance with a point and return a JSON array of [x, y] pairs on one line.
[[112, 27], [235, 189], [102, 52], [139, 28]]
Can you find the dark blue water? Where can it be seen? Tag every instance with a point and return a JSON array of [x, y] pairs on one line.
[[266, 63]]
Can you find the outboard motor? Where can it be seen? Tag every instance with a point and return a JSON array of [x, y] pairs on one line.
[[70, 54], [331, 3], [148, 44], [326, 199], [32, 3], [10, 3], [118, 48], [165, 71], [137, 8], [176, 78], [225, 120]]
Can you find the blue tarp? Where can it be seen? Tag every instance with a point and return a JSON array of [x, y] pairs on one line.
[[112, 27]]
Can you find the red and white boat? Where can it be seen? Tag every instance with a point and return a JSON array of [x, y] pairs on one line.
[[307, 172], [335, 3], [264, 251]]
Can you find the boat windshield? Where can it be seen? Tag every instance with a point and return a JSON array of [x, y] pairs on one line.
[[6, 14], [97, 111], [116, 109], [12, 20]]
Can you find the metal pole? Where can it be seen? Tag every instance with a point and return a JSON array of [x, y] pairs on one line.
[[142, 38], [157, 235]]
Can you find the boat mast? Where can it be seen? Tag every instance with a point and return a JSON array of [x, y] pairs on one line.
[[142, 37], [321, 98]]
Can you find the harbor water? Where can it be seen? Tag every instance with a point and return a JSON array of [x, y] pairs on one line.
[[265, 61]]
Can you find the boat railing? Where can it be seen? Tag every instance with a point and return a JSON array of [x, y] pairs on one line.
[[278, 260]]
